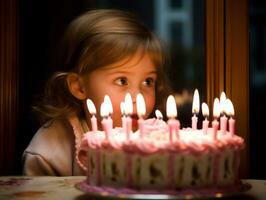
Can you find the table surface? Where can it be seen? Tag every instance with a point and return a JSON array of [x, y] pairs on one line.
[[47, 187]]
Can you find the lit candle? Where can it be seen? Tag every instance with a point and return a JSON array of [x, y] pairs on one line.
[[223, 119], [92, 110], [158, 114], [230, 112], [171, 112], [109, 104], [107, 122], [205, 112], [195, 109], [124, 123], [128, 113], [216, 114], [141, 110]]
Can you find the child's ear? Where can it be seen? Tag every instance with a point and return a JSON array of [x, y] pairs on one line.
[[75, 86]]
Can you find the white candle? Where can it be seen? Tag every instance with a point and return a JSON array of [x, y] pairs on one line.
[[173, 124], [92, 110], [205, 123], [141, 110], [124, 123], [216, 114], [128, 113], [195, 109], [230, 112], [223, 119]]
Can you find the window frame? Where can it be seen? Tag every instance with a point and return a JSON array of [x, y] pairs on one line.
[[227, 62]]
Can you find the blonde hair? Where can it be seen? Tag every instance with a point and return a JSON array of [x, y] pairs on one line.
[[93, 40]]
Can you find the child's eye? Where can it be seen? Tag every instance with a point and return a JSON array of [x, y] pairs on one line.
[[121, 81], [149, 82]]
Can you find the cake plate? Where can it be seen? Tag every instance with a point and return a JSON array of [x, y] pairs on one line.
[[199, 193]]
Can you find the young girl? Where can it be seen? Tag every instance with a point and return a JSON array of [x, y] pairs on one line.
[[105, 52]]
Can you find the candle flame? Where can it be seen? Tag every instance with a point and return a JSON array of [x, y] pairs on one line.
[[122, 107], [229, 108], [158, 114], [128, 104], [108, 102], [104, 110], [205, 110], [196, 102], [141, 108], [222, 102], [91, 107], [171, 110], [216, 108]]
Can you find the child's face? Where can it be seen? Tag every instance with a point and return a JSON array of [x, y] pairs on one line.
[[138, 75]]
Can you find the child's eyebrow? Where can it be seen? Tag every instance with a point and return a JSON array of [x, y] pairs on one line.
[[128, 72]]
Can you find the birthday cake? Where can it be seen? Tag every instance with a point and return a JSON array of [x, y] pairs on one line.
[[162, 157]]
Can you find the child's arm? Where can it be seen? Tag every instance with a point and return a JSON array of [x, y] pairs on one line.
[[36, 165]]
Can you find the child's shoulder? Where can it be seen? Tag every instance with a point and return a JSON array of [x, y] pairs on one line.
[[53, 133]]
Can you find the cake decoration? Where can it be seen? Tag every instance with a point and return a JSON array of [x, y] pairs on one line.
[[162, 156]]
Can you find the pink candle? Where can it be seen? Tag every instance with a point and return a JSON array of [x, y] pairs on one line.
[[173, 124], [195, 109], [128, 112], [174, 127], [205, 112], [205, 125], [92, 110], [223, 126], [215, 126], [216, 114], [231, 126], [124, 123], [94, 123], [231, 112], [194, 120], [141, 109], [107, 122], [223, 119]]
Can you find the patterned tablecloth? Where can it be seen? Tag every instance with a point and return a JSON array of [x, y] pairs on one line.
[[45, 187]]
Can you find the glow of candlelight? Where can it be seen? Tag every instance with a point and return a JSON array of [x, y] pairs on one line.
[[128, 104], [92, 110], [104, 110], [196, 102], [141, 108], [223, 103], [91, 107], [158, 114], [229, 108], [171, 110], [108, 102], [216, 108], [205, 110]]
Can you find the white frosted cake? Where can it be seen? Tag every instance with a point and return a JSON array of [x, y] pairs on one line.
[[193, 159]]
